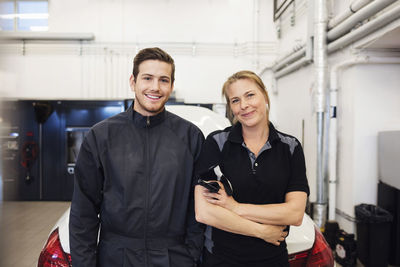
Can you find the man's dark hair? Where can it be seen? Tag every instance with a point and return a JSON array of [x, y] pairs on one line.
[[153, 53]]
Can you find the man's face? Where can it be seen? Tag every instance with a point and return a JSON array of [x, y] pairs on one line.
[[152, 87]]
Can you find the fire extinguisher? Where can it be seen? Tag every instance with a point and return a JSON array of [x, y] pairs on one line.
[[29, 154]]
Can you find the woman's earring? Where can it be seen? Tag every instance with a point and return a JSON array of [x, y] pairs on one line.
[[267, 106]]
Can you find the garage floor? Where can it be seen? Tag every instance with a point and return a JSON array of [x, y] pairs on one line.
[[24, 228]]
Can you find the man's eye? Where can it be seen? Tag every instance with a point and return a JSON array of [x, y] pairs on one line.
[[165, 80], [147, 78]]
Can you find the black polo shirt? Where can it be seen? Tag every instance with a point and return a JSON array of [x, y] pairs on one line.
[[278, 169]]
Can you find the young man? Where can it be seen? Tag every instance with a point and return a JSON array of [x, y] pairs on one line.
[[134, 182]]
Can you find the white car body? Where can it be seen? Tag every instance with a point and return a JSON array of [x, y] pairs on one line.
[[301, 238]]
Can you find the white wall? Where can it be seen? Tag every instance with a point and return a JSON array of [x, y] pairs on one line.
[[209, 40], [155, 20], [294, 26], [292, 105], [368, 102]]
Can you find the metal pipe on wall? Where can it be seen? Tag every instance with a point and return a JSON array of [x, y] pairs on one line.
[[290, 59], [332, 155], [365, 29], [321, 69], [293, 67], [293, 58], [40, 161], [353, 8], [361, 15]]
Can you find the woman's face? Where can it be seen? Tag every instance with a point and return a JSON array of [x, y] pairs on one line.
[[247, 103]]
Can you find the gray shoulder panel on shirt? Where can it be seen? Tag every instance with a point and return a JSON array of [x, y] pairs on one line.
[[291, 141], [221, 138]]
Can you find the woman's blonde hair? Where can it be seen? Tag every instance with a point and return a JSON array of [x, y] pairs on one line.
[[244, 74]]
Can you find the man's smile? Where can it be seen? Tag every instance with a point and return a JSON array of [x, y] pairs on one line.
[[153, 97]]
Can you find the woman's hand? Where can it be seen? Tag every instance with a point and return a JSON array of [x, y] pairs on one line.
[[273, 234], [221, 198]]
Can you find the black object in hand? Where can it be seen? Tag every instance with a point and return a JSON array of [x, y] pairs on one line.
[[212, 186]]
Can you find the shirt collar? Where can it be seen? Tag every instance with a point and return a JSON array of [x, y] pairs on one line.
[[146, 121], [236, 136]]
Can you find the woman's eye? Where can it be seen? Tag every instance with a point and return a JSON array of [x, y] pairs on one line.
[[250, 95], [234, 101]]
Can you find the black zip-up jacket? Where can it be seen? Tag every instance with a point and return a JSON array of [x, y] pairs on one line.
[[134, 181]]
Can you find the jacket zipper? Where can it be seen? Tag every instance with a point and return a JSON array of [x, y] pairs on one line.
[[147, 200]]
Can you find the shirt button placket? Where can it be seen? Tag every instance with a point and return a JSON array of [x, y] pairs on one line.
[[254, 168]]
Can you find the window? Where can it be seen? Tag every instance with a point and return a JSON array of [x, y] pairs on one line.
[[23, 15], [280, 6], [6, 16], [75, 138]]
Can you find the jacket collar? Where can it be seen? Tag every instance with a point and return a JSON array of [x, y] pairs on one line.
[[236, 136], [145, 121]]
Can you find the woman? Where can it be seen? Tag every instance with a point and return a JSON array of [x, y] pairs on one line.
[[266, 172]]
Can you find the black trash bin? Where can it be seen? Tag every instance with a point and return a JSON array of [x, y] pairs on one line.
[[373, 235]]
